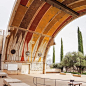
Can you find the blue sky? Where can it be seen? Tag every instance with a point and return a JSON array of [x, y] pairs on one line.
[[68, 33]]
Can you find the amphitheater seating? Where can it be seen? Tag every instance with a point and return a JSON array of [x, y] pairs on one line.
[[3, 74], [7, 81], [18, 84], [14, 82]]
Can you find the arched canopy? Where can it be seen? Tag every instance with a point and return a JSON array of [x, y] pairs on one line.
[[35, 23]]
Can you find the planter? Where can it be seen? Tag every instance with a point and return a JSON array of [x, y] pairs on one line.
[[62, 73], [76, 75]]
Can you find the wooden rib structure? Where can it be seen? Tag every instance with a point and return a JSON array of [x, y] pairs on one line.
[[35, 23]]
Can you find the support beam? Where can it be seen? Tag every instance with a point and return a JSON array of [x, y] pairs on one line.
[[62, 7], [30, 31]]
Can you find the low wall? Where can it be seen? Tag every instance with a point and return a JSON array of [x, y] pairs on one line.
[[23, 68], [53, 70]]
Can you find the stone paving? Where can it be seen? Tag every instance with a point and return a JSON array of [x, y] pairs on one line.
[[62, 79]]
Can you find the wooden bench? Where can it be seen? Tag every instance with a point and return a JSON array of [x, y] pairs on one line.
[[74, 83], [76, 75], [18, 84], [7, 81], [62, 73]]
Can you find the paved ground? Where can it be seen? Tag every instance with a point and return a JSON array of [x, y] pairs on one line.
[[24, 78], [63, 79], [29, 80]]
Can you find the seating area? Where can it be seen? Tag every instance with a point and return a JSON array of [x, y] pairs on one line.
[[27, 80], [29, 44], [18, 84], [7, 81], [11, 82], [74, 83], [14, 82], [76, 75], [3, 74], [62, 73]]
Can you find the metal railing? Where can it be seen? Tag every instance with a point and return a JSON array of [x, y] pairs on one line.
[[35, 81]]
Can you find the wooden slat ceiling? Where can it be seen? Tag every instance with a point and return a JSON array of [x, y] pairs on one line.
[[38, 21]]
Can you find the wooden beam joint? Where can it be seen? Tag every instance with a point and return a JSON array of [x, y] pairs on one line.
[[62, 7], [26, 30]]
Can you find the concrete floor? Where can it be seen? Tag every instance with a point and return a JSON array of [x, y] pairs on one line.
[[24, 78], [28, 79]]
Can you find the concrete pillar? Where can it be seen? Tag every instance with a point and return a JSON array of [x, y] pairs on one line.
[[44, 68], [2, 63], [29, 69]]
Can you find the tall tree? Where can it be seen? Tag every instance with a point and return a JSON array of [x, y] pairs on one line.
[[61, 54], [53, 54], [80, 41]]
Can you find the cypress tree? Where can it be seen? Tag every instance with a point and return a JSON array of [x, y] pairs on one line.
[[53, 54], [61, 54], [80, 41]]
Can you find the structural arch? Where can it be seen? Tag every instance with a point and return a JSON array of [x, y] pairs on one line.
[[35, 23]]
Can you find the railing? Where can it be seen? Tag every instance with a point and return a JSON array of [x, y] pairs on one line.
[[36, 83], [44, 84]]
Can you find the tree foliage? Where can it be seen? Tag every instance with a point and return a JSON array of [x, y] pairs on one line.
[[61, 54], [74, 59], [67, 59], [53, 54], [80, 41]]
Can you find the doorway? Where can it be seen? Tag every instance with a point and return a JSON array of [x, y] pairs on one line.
[[25, 68]]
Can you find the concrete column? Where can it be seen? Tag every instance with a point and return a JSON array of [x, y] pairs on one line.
[[2, 64], [44, 68], [29, 69]]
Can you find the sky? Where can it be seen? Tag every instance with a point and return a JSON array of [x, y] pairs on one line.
[[70, 39], [5, 12], [68, 33]]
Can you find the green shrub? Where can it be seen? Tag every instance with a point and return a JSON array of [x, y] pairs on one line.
[[58, 65]]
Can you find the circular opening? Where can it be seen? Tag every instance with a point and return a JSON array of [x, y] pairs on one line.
[[39, 54], [27, 53], [13, 51]]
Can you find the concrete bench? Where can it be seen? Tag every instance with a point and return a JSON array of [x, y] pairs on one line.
[[7, 81], [3, 74], [74, 83], [18, 84]]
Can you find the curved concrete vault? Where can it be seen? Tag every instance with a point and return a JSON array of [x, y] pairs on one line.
[[34, 25]]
